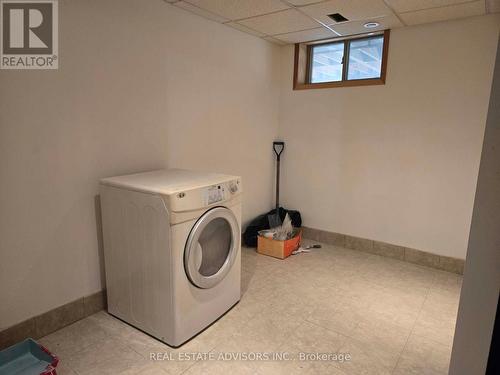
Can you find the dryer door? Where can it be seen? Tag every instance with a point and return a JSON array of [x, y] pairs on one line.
[[212, 247]]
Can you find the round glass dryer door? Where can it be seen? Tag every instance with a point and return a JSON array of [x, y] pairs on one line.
[[211, 247]]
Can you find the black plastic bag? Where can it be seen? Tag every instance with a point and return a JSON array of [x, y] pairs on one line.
[[262, 222]]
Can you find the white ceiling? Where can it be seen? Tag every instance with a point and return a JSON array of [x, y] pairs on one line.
[[294, 21]]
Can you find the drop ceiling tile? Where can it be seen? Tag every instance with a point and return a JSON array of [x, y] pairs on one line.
[[281, 22], [401, 6], [475, 8], [493, 6], [244, 29], [357, 27], [306, 35], [274, 41], [353, 10], [200, 12], [238, 9]]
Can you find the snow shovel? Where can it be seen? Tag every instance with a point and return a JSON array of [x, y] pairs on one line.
[[274, 219]]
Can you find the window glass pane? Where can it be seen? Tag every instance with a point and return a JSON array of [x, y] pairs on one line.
[[365, 58], [326, 62]]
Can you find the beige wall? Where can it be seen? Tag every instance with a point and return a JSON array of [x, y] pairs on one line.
[[399, 162], [141, 85], [225, 117]]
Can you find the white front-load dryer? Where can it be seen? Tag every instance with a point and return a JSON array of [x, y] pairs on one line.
[[172, 250]]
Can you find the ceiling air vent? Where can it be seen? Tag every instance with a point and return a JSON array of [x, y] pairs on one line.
[[337, 17]]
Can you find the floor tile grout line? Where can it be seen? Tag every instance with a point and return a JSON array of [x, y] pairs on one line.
[[334, 331], [187, 368], [209, 351], [411, 332], [73, 354]]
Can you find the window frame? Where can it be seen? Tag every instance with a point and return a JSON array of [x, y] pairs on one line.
[[344, 82]]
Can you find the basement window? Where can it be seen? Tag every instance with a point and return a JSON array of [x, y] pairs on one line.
[[357, 61]]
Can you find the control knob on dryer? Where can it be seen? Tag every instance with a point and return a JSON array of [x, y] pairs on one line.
[[233, 188]]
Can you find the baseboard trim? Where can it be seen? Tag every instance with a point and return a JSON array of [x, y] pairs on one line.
[[54, 319], [422, 258]]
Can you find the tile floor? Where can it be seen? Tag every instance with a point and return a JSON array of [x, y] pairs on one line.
[[391, 317]]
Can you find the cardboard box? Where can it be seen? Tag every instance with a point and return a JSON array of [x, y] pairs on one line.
[[276, 248]]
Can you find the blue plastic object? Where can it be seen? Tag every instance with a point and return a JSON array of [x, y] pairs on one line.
[[27, 358]]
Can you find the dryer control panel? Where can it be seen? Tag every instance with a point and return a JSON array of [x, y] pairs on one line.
[[220, 192], [214, 194], [193, 199]]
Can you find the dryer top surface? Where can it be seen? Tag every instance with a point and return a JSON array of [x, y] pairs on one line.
[[167, 181]]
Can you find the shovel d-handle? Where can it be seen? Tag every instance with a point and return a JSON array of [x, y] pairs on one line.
[[278, 147]]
